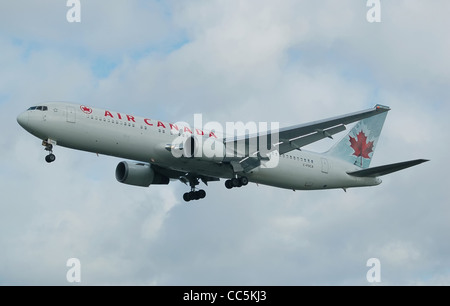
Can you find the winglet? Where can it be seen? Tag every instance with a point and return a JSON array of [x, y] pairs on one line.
[[384, 107]]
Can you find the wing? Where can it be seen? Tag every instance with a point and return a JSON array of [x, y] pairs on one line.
[[294, 137]]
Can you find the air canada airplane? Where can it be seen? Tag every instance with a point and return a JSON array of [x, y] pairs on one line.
[[158, 152]]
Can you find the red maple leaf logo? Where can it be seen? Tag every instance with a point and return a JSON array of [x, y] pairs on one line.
[[85, 109], [361, 146]]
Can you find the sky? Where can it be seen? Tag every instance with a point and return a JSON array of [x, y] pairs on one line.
[[289, 61]]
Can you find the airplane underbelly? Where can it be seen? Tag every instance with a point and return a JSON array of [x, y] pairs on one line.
[[220, 170]]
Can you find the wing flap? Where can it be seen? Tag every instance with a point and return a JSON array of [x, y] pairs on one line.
[[386, 169]]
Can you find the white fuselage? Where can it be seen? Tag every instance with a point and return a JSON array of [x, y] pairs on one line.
[[145, 140]]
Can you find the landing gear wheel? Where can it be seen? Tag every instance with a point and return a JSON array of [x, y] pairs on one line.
[[186, 197], [201, 194], [50, 158], [236, 182], [228, 184], [194, 195], [243, 180]]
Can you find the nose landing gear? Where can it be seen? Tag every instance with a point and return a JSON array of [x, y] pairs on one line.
[[48, 144]]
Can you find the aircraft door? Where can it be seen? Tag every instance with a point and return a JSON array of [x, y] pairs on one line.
[[71, 114], [325, 165]]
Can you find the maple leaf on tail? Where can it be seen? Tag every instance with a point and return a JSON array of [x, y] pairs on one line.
[[361, 146]]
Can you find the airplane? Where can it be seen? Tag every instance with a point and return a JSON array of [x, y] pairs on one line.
[[157, 152]]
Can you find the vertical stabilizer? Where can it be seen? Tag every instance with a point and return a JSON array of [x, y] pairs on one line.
[[358, 146]]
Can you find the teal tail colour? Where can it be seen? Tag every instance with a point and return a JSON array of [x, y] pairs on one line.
[[358, 146]]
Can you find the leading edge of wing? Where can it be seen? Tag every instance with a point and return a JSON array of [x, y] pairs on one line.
[[295, 131], [297, 136]]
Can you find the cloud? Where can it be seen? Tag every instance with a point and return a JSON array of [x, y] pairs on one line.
[[293, 62]]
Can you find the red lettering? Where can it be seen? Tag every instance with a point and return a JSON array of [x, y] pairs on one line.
[[120, 117], [107, 113], [148, 122], [186, 129], [130, 118], [172, 126], [161, 124], [199, 132], [212, 135]]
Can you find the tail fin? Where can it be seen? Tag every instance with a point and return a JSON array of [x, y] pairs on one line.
[[358, 146]]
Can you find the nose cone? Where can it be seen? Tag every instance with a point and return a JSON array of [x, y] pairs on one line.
[[22, 119]]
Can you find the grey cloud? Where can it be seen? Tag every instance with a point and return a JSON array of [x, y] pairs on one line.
[[294, 62]]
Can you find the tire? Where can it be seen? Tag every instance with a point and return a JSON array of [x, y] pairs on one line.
[[244, 180], [228, 184], [235, 182], [186, 197], [50, 158]]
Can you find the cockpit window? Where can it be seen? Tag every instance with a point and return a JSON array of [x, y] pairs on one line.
[[41, 108]]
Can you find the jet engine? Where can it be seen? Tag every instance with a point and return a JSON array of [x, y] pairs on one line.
[[139, 174]]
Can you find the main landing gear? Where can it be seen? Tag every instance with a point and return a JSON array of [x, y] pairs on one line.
[[194, 194], [50, 158], [236, 182]]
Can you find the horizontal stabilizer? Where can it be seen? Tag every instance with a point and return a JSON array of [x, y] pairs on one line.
[[386, 169]]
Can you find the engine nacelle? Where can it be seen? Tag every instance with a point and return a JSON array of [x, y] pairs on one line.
[[139, 174]]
